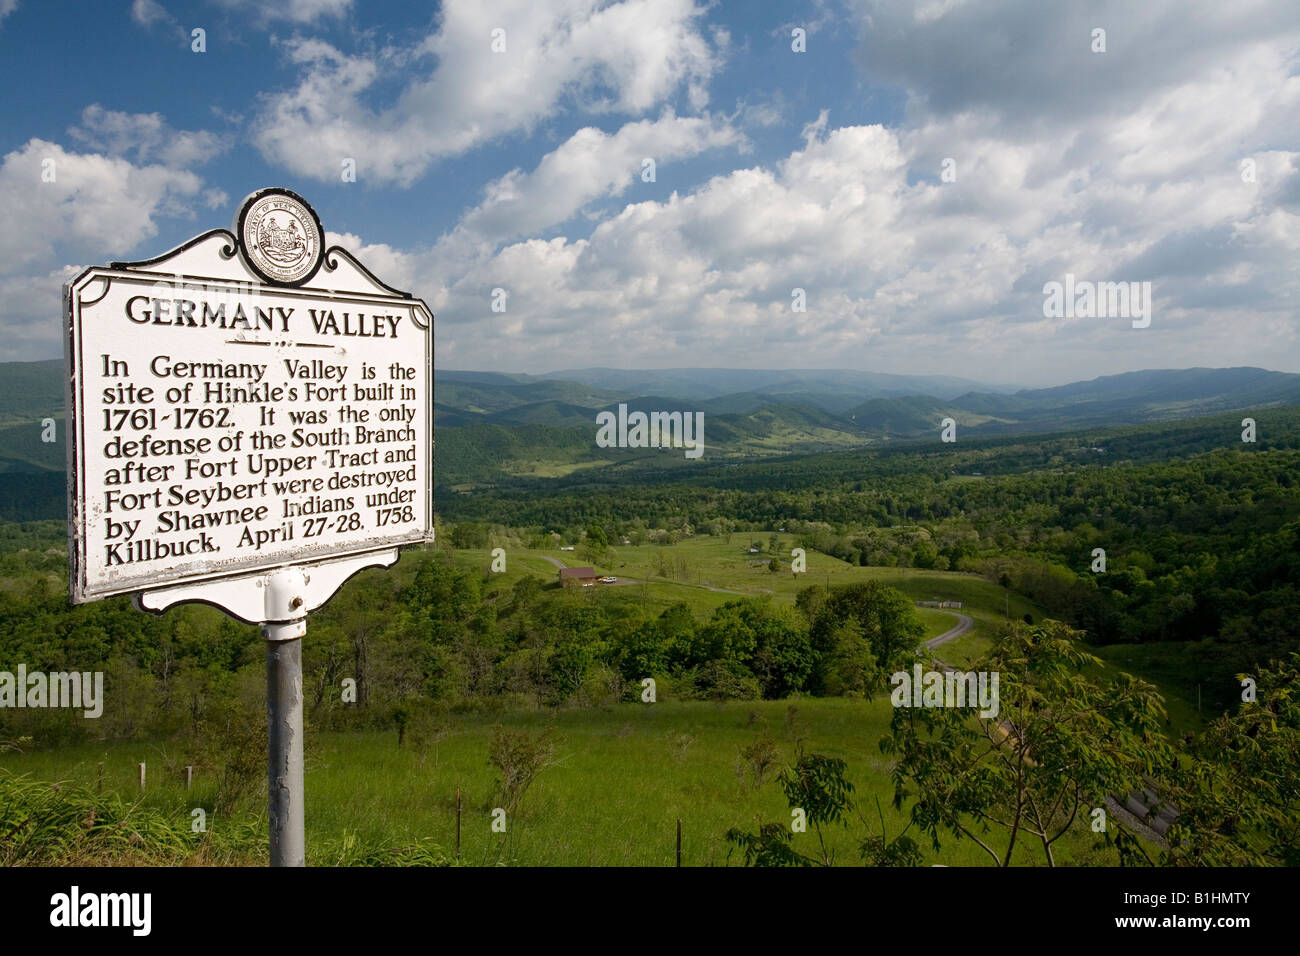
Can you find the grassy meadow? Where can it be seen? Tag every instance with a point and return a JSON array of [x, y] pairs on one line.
[[706, 572], [620, 780]]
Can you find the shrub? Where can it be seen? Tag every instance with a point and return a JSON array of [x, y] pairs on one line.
[[679, 741], [758, 760], [520, 756]]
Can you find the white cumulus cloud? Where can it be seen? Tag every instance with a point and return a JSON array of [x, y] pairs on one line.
[[628, 56]]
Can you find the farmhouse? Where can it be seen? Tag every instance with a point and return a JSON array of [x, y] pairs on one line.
[[578, 577]]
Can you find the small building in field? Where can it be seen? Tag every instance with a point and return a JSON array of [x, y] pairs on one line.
[[578, 577]]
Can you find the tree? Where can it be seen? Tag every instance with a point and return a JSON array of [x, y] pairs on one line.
[[1060, 743], [637, 647], [809, 601], [569, 665], [817, 786], [595, 544], [774, 640], [853, 667], [1238, 789], [469, 535], [675, 632], [731, 635], [883, 617], [924, 555], [401, 719]]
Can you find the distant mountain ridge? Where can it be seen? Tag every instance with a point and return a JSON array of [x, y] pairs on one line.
[[1132, 397], [768, 421], [708, 383], [492, 424]]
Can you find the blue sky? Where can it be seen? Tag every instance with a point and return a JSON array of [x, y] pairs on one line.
[[521, 169], [144, 67]]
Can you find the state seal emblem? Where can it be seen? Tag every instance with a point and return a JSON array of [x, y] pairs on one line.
[[280, 236]]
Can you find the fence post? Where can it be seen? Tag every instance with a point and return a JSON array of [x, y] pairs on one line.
[[679, 842], [458, 824]]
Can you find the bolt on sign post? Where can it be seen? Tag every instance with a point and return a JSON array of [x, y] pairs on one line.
[[250, 423]]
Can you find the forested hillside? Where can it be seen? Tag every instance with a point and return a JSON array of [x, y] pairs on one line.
[[1198, 527], [30, 391]]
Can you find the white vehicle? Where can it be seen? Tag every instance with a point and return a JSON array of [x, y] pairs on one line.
[[608, 579]]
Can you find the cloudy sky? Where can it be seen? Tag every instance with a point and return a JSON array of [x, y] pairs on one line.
[[1173, 157]]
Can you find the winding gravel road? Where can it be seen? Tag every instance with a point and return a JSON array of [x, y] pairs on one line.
[[964, 624]]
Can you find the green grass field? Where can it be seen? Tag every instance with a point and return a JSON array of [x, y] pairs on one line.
[[700, 563], [620, 781]]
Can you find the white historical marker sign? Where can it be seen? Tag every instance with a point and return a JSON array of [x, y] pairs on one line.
[[250, 422], [246, 401]]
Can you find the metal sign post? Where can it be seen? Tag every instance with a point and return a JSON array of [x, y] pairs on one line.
[[250, 421], [284, 786], [279, 601]]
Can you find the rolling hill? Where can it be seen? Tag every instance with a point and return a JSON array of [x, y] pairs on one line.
[[1152, 395], [31, 390], [836, 385], [493, 425]]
